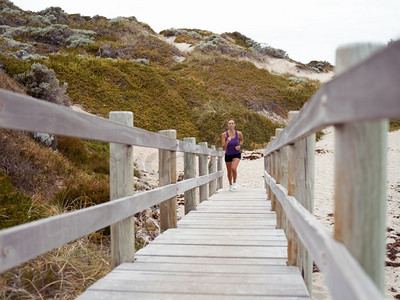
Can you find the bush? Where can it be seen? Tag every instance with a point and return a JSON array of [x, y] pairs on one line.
[[15, 207], [270, 51], [42, 83], [81, 156], [52, 15], [83, 193]]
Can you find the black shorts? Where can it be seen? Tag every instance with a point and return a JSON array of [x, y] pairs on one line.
[[229, 158]]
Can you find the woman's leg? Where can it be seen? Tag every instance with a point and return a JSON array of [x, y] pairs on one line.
[[229, 171], [235, 163]]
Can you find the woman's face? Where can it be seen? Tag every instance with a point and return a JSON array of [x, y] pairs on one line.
[[231, 124]]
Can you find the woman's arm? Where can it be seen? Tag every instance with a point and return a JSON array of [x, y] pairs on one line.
[[224, 140], [241, 140]]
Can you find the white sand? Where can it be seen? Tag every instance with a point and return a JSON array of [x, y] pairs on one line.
[[273, 65], [250, 175]]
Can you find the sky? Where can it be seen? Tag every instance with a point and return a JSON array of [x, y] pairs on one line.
[[306, 30]]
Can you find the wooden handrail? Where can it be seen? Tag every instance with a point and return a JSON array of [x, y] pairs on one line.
[[20, 112], [350, 97]]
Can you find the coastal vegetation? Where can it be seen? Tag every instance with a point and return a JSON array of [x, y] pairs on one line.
[[102, 65]]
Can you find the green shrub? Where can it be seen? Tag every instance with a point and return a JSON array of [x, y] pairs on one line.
[[15, 207], [42, 83], [78, 152], [84, 192]]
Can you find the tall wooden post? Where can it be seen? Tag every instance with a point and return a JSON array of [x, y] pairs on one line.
[[278, 178], [272, 172], [360, 180], [167, 175], [203, 170], [189, 170], [301, 170], [220, 184], [290, 232], [269, 171], [283, 180], [212, 169], [121, 185]]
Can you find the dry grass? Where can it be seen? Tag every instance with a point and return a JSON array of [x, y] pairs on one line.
[[62, 273]]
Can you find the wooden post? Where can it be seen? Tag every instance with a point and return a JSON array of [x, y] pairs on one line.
[[121, 185], [203, 170], [290, 232], [283, 180], [272, 172], [360, 180], [220, 181], [167, 175], [189, 163], [269, 168], [301, 170], [213, 169], [278, 178]]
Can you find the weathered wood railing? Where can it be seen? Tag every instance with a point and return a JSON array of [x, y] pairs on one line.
[[21, 243], [358, 102]]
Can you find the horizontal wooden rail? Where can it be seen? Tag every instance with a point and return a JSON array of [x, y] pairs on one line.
[[23, 242], [20, 112], [333, 259], [368, 91]]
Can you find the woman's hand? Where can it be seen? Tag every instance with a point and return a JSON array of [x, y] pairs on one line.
[[238, 147]]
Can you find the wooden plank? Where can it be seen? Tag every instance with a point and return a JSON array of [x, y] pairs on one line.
[[223, 220], [332, 258], [187, 240], [202, 268], [187, 234], [350, 97], [226, 232], [261, 285], [360, 180], [216, 214], [111, 295], [212, 260], [218, 280], [210, 251]]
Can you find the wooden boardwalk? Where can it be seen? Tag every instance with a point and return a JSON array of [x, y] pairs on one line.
[[228, 248]]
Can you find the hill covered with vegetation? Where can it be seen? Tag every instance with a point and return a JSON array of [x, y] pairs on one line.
[[101, 65]]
